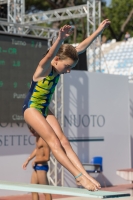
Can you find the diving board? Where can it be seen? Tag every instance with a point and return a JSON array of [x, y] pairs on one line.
[[59, 190]]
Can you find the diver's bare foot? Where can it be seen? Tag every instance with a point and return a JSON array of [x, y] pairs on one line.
[[94, 181], [86, 183]]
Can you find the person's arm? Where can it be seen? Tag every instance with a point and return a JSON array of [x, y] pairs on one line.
[[86, 43], [32, 155], [45, 63]]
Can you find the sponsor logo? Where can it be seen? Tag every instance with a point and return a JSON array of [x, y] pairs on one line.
[[84, 120], [16, 140]]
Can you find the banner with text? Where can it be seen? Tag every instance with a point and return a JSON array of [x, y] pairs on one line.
[[16, 144], [96, 121]]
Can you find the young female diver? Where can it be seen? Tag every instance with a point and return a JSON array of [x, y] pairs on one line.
[[59, 59]]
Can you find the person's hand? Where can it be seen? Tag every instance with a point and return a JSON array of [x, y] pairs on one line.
[[104, 24], [65, 32], [25, 165]]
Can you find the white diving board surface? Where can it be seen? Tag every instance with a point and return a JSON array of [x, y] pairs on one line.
[[59, 190]]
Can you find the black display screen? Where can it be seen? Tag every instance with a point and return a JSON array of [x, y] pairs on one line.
[[19, 57]]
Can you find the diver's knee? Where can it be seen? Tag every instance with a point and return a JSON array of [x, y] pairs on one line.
[[65, 142]]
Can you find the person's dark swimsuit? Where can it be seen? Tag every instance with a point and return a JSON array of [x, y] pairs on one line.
[[42, 167], [40, 93]]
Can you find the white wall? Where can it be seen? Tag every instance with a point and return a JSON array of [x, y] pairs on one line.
[[99, 105], [131, 118]]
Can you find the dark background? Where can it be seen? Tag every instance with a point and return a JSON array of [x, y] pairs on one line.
[[17, 64], [82, 64]]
